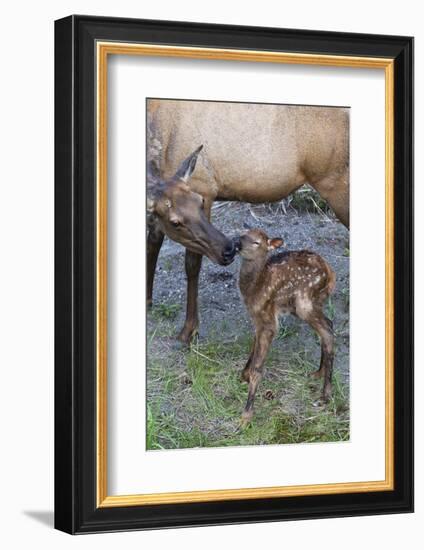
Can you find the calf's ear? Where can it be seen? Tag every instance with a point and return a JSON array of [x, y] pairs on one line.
[[275, 243]]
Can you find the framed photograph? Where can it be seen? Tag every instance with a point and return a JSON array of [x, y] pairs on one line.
[[234, 274]]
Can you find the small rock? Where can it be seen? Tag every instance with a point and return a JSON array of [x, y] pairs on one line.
[[185, 379], [269, 394]]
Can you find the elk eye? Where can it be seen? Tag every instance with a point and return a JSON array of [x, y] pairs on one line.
[[256, 243], [175, 223]]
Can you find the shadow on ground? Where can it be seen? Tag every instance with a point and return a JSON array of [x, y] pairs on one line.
[[46, 517]]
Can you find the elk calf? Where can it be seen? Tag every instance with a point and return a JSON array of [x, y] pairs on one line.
[[296, 282]]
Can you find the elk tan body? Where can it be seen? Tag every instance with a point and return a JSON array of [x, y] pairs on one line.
[[295, 282], [251, 152]]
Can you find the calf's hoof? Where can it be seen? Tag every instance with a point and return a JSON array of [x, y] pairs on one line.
[[246, 419], [316, 374], [326, 394]]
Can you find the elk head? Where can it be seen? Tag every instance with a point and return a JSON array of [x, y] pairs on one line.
[[179, 212]]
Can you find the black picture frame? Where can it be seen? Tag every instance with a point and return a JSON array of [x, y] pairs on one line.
[[76, 510]]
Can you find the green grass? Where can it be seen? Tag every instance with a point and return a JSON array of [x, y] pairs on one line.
[[167, 264], [330, 309], [286, 331], [345, 297], [306, 199], [195, 397], [167, 311]]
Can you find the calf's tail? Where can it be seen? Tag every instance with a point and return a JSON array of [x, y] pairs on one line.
[[331, 280]]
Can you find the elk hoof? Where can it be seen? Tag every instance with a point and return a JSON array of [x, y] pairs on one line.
[[186, 336], [149, 303]]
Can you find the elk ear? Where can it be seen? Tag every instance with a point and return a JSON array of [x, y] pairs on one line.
[[275, 243], [188, 165]]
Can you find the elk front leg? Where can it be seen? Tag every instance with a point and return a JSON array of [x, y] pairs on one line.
[[193, 263], [263, 340], [154, 243]]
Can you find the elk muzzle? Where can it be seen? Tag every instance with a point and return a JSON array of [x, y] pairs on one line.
[[202, 237], [237, 244]]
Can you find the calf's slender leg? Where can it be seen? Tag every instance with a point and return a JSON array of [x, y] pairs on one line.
[[321, 371], [154, 243], [323, 327], [245, 374], [264, 337]]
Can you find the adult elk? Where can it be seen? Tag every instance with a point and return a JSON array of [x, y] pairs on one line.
[[252, 153]]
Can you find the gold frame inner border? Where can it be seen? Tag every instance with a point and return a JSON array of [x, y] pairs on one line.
[[104, 49]]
